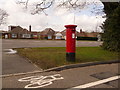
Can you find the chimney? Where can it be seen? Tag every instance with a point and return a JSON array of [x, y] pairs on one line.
[[80, 30], [11, 27], [30, 28]]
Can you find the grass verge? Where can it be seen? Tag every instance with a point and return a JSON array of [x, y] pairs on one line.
[[49, 57]]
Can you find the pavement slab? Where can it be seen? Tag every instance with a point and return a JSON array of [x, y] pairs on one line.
[[13, 63]]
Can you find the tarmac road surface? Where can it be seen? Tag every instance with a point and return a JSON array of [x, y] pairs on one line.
[[68, 79], [18, 43]]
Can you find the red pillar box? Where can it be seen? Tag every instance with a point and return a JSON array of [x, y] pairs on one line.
[[70, 42]]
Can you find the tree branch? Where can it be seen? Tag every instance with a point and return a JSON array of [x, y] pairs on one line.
[[3, 16]]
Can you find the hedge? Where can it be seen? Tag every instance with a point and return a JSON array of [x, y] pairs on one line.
[[87, 38]]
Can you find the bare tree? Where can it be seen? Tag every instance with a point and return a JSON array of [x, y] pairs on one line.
[[73, 4], [26, 4], [3, 16], [43, 5], [38, 7]]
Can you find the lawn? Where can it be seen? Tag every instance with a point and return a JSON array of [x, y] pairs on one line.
[[48, 57]]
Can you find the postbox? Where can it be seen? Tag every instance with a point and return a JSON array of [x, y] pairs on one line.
[[70, 42]]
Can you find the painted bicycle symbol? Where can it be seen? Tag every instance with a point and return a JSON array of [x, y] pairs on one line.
[[40, 81]]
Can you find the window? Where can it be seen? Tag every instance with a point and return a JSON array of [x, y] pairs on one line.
[[58, 37], [6, 36], [49, 37], [14, 35], [26, 36], [35, 36]]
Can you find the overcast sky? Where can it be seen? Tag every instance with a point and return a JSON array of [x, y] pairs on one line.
[[56, 18]]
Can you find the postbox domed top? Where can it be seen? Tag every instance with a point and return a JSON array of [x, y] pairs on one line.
[[70, 26]]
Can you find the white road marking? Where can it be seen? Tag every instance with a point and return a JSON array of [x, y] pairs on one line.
[[95, 83], [10, 51], [40, 81], [18, 74]]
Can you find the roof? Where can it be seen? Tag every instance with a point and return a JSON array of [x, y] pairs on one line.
[[2, 31], [58, 34], [92, 34], [63, 32], [19, 30], [35, 32], [48, 31], [86, 34], [81, 34]]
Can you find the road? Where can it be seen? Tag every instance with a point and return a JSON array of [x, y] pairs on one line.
[[44, 43], [67, 79], [70, 78]]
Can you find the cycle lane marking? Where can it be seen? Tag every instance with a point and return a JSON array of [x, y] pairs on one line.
[[95, 83], [40, 81]]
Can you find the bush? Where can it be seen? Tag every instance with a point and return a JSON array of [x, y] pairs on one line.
[[111, 27], [87, 38]]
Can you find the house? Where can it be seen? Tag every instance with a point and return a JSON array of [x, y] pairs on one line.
[[35, 35], [58, 35], [88, 35], [4, 34], [11, 28], [48, 33], [92, 34], [17, 32], [81, 34], [63, 34]]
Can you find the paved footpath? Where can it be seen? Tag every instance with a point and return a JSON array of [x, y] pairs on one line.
[[98, 76], [13, 63]]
